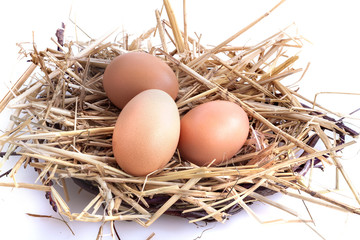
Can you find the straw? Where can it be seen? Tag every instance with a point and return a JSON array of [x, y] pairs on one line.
[[62, 125]]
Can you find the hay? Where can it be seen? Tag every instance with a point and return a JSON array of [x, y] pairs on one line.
[[62, 126]]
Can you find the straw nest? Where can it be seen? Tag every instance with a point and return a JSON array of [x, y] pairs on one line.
[[62, 126]]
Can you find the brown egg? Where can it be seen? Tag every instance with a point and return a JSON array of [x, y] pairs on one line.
[[146, 133], [213, 130], [129, 74]]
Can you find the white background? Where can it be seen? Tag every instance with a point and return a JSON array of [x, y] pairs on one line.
[[331, 26]]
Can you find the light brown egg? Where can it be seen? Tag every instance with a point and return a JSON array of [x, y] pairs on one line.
[[146, 133], [213, 130], [129, 74]]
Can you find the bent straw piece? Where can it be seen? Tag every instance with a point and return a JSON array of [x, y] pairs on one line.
[[314, 194], [337, 162], [268, 201], [311, 199], [314, 104], [347, 179], [343, 93]]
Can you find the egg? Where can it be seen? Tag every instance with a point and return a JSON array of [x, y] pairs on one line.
[[146, 133], [215, 130], [131, 73]]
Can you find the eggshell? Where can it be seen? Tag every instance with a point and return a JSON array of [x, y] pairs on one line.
[[146, 133], [129, 74], [213, 130]]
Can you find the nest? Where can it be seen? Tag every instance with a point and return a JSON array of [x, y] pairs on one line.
[[62, 127]]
